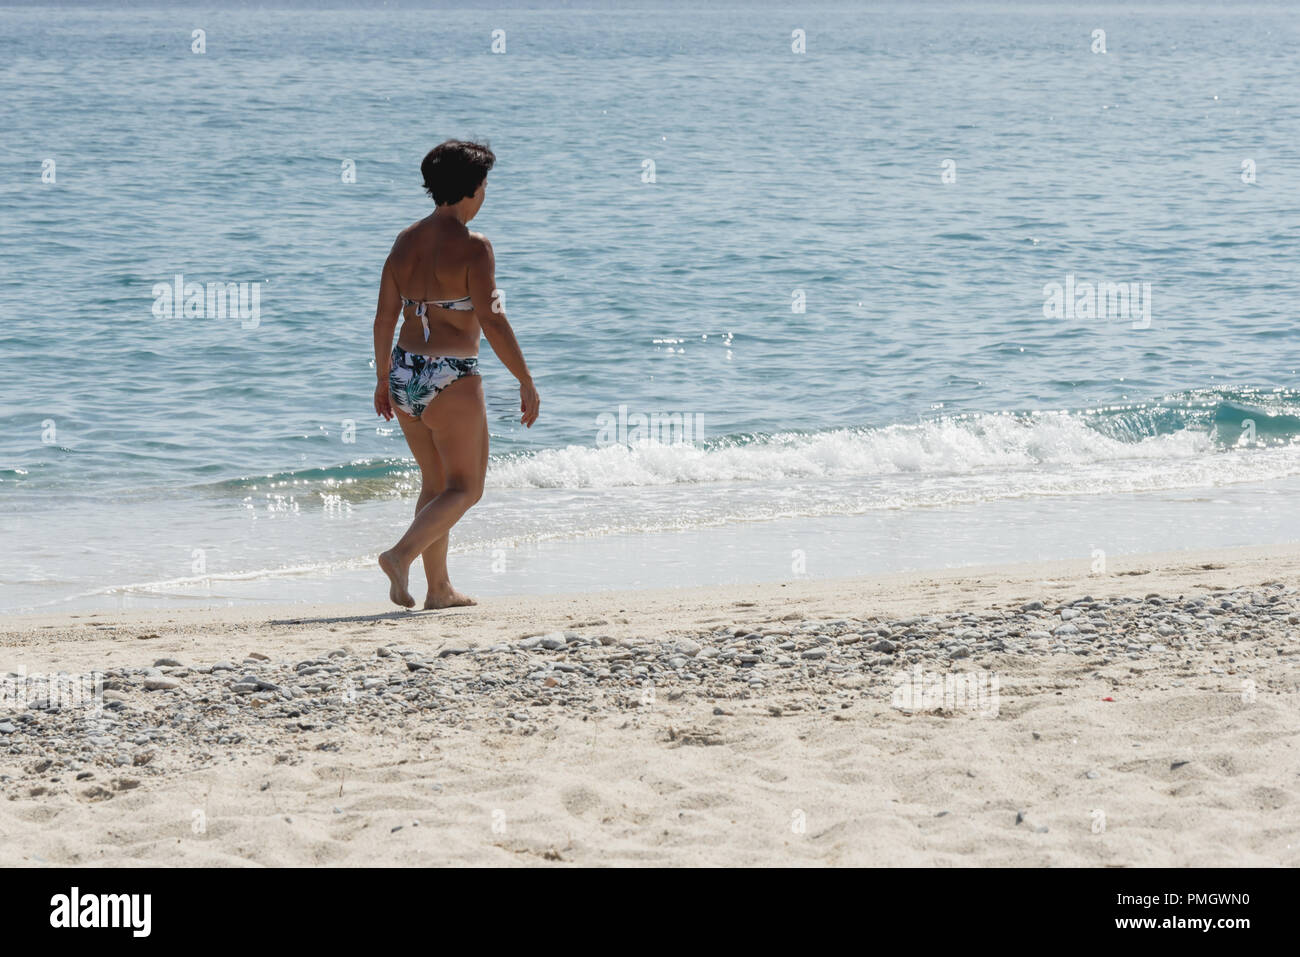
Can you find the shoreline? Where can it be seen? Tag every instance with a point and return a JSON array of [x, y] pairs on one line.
[[901, 591], [865, 545], [751, 724]]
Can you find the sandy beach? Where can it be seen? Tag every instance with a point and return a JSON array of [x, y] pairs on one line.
[[1149, 715]]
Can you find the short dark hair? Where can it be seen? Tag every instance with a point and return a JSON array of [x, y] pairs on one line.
[[453, 170]]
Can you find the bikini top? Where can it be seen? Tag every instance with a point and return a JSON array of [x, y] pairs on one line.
[[460, 305]]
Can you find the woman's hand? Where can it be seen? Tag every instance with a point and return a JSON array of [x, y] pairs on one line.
[[528, 402], [383, 402]]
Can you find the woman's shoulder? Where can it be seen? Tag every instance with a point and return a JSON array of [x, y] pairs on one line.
[[410, 230], [478, 242], [405, 238]]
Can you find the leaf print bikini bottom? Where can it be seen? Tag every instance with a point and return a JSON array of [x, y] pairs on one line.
[[414, 380]]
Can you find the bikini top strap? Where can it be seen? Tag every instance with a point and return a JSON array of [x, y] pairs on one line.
[[421, 311]]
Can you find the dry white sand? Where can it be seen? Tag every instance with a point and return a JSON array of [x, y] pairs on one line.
[[1182, 766]]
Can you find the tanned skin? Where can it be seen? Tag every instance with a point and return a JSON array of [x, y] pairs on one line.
[[440, 258]]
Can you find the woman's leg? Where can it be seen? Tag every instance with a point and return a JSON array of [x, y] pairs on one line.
[[457, 424], [439, 593]]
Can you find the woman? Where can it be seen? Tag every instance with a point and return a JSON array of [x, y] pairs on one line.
[[440, 278]]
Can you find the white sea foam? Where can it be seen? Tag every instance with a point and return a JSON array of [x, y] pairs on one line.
[[952, 446]]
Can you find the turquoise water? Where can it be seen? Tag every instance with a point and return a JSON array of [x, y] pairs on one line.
[[148, 457]]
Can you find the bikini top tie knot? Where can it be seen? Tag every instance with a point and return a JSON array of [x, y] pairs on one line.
[[421, 308]]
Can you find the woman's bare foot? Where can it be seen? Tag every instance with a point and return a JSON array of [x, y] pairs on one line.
[[446, 597], [397, 573]]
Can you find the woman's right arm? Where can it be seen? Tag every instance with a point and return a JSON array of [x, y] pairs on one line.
[[387, 312], [492, 318]]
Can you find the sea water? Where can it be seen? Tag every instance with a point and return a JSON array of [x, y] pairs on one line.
[[807, 292]]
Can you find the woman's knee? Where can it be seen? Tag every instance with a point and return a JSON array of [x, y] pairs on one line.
[[469, 489]]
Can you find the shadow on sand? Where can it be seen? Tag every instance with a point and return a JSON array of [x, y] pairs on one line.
[[396, 615]]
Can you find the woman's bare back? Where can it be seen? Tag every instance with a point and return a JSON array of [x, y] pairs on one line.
[[430, 263]]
